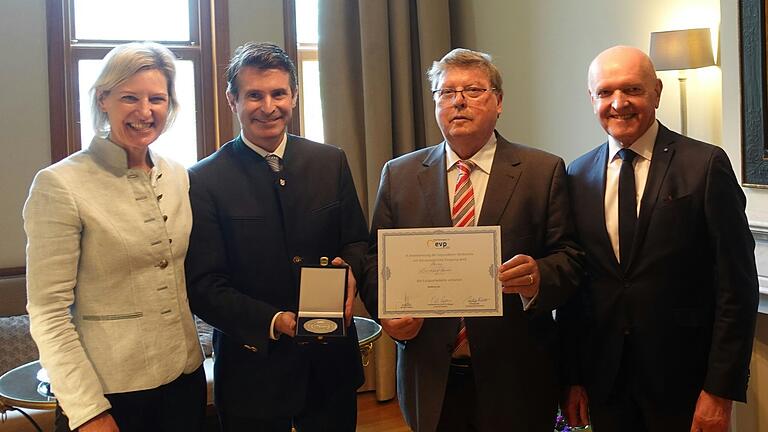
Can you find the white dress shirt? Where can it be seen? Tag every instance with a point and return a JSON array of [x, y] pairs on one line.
[[642, 164], [279, 151], [483, 161], [479, 176]]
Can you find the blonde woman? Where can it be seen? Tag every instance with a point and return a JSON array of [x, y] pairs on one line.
[[107, 231]]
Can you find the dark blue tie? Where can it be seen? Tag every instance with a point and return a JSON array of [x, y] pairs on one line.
[[627, 206]]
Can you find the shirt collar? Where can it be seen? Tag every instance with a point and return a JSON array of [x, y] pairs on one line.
[[112, 154], [643, 146], [279, 151], [483, 159]]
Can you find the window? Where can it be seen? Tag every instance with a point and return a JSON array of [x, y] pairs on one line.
[[309, 69], [301, 44], [82, 32]]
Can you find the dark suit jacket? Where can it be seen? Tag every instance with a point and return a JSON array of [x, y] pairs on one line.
[[685, 309], [250, 237], [513, 356]]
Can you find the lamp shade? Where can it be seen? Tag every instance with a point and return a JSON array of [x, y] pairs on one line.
[[681, 49]]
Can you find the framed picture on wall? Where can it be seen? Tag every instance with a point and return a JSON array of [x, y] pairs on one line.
[[754, 101]]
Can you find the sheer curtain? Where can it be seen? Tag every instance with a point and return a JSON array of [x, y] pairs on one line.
[[376, 101]]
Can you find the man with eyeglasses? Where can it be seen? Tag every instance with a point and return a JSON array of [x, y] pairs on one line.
[[491, 373], [665, 321]]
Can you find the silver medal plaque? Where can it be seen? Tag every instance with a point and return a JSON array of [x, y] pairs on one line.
[[320, 325]]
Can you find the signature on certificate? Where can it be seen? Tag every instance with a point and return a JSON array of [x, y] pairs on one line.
[[476, 301], [440, 300], [406, 304]]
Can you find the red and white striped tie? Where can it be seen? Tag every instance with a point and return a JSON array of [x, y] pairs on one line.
[[463, 211], [463, 214]]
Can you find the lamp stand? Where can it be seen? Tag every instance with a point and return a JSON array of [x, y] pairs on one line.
[[683, 104]]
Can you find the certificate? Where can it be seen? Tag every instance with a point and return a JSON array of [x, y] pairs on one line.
[[440, 272]]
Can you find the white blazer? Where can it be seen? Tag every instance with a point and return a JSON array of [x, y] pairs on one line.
[[105, 276]]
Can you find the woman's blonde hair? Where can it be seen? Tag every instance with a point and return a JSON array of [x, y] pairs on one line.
[[120, 65]]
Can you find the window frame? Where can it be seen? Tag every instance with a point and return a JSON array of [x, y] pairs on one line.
[[290, 39], [205, 49]]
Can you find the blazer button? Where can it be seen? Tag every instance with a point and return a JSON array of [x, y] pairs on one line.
[[250, 348], [159, 197], [165, 217], [163, 263], [297, 259]]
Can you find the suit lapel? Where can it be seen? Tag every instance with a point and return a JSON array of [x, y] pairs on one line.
[[505, 173], [249, 160], [292, 157], [663, 150], [434, 186]]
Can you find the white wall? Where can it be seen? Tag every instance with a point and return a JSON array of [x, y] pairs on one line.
[[255, 21], [546, 47], [24, 121], [754, 415]]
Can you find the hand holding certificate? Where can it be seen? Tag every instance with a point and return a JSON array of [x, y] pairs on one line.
[[440, 272]]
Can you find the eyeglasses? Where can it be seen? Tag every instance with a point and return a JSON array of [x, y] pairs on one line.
[[448, 95]]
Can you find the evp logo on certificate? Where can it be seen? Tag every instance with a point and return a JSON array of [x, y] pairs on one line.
[[440, 272]]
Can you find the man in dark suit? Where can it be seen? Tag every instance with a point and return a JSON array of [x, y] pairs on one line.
[[264, 205], [667, 316], [505, 377]]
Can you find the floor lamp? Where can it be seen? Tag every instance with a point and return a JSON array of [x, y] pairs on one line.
[[680, 50]]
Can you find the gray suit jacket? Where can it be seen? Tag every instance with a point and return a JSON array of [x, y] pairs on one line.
[[513, 356]]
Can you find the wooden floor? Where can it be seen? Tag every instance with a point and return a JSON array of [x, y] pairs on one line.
[[374, 416]]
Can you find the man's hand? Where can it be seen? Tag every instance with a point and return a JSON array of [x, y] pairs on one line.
[[351, 292], [402, 328], [520, 275], [712, 414], [575, 403], [101, 423], [286, 323]]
